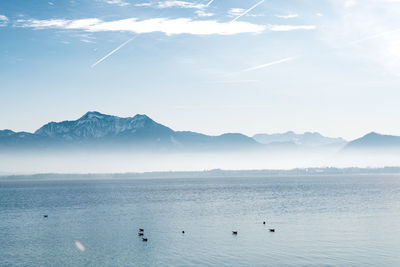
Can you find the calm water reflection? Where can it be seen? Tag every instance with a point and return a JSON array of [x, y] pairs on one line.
[[337, 221]]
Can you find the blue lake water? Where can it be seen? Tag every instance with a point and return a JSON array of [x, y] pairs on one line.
[[330, 221]]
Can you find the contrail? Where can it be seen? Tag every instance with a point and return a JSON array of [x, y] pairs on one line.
[[373, 36], [209, 3], [248, 10], [269, 64], [112, 52]]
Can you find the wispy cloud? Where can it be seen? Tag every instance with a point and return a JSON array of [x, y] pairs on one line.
[[289, 16], [143, 4], [349, 3], [164, 25], [58, 23], [112, 52], [234, 81], [180, 4], [269, 64], [117, 2], [285, 28], [248, 10], [234, 12], [86, 38], [207, 107], [3, 20], [87, 41], [202, 13]]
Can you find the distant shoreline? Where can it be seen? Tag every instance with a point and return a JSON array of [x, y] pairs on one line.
[[215, 173]]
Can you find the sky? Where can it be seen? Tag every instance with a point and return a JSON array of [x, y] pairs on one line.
[[331, 66]]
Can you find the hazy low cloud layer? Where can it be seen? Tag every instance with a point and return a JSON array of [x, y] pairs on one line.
[[122, 162]]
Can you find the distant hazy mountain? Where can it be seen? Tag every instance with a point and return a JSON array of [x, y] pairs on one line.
[[105, 131], [307, 139], [101, 131], [10, 139], [375, 141]]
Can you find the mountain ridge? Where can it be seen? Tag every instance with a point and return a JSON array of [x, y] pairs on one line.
[[373, 141], [139, 131], [306, 140], [95, 129]]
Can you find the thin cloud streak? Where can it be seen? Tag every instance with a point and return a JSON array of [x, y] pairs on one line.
[[112, 52], [375, 36], [234, 81], [203, 14], [117, 2], [3, 20], [269, 64], [180, 4], [290, 16], [224, 107], [177, 3], [286, 28], [248, 10]]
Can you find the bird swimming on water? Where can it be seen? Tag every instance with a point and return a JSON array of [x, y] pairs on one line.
[[272, 230], [144, 239], [141, 230], [234, 232]]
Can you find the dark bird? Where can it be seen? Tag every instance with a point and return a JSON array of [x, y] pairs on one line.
[[234, 232], [183, 232], [141, 230], [263, 222], [272, 230], [140, 234], [45, 215], [144, 239]]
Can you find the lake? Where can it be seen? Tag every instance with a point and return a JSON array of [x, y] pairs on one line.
[[343, 220]]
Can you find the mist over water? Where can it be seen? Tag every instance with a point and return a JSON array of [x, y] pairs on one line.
[[121, 161], [101, 143]]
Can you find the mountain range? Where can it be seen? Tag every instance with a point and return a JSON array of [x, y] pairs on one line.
[[97, 130], [308, 139]]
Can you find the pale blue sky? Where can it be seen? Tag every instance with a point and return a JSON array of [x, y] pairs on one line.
[[331, 66]]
